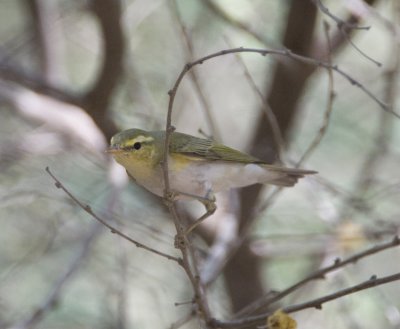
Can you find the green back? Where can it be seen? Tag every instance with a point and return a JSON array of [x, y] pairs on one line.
[[207, 149]]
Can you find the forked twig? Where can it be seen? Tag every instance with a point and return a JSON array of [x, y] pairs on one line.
[[344, 27], [339, 22]]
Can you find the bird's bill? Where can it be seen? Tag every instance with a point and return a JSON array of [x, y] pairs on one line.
[[113, 150]]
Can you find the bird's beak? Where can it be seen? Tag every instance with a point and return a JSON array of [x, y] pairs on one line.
[[113, 149]]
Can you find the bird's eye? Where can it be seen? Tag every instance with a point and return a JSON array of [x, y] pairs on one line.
[[137, 145]]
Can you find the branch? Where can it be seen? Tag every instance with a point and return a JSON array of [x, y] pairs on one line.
[[88, 209], [385, 129], [286, 53], [315, 303], [319, 274], [345, 28], [339, 22]]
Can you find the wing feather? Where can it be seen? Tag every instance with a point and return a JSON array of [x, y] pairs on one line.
[[207, 149]]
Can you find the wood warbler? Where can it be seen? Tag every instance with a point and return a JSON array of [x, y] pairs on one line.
[[197, 167]]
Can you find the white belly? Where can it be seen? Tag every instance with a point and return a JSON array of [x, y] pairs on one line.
[[202, 178]]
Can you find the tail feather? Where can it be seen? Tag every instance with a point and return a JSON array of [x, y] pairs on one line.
[[290, 176]]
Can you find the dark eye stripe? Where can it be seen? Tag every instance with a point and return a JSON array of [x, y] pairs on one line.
[[135, 146]]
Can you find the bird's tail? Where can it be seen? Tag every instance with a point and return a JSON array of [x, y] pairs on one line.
[[289, 176]]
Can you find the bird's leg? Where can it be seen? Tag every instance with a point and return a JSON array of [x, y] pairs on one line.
[[209, 203]]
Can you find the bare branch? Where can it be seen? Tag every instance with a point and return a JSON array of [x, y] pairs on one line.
[[287, 53], [339, 22], [319, 274], [344, 28], [88, 209], [384, 128], [315, 303]]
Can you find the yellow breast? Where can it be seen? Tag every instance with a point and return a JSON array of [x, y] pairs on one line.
[[139, 169], [179, 162], [143, 170]]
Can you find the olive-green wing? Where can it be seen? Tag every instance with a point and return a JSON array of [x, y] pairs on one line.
[[207, 149]]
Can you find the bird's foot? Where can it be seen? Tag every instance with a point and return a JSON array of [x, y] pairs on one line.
[[209, 203]]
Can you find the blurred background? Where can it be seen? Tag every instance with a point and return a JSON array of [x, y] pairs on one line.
[[73, 73]]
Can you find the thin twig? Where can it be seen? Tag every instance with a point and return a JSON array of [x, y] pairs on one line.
[[362, 53], [169, 199], [344, 27], [382, 104], [329, 106], [269, 113], [319, 274], [373, 160], [89, 210], [338, 21], [315, 303], [187, 255], [282, 52], [215, 132]]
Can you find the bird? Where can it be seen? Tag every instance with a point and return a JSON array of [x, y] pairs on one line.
[[197, 167]]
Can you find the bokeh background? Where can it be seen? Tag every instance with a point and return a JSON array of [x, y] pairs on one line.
[[73, 73]]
